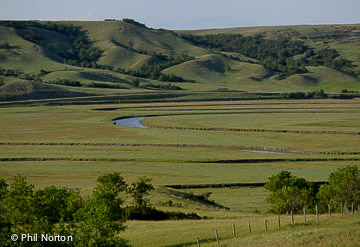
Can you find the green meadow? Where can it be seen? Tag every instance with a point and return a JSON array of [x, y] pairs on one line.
[[72, 145]]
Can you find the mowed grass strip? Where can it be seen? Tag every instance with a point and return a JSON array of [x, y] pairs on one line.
[[337, 231], [43, 124], [287, 121], [84, 173]]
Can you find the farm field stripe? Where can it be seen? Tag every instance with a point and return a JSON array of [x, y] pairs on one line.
[[224, 185], [336, 132], [259, 130], [242, 148], [239, 161], [228, 104]]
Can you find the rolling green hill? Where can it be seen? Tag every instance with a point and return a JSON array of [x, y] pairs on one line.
[[127, 55]]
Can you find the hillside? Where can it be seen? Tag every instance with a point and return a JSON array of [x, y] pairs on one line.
[[127, 55]]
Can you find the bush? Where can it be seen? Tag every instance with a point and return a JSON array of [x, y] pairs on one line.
[[290, 193], [150, 213], [344, 187]]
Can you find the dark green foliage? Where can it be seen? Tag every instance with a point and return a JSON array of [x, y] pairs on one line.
[[273, 54], [344, 187], [166, 87], [65, 82], [9, 72], [278, 54], [82, 51], [309, 95], [139, 191], [290, 193], [33, 38], [56, 204], [101, 218], [327, 57], [2, 82], [105, 85], [135, 82], [150, 213], [133, 22], [4, 45]]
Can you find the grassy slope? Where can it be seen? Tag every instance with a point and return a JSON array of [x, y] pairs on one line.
[[123, 45], [344, 38], [23, 90]]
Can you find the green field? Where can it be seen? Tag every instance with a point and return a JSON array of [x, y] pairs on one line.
[[72, 145]]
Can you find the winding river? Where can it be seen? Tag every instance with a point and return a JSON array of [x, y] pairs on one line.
[[131, 122], [135, 122]]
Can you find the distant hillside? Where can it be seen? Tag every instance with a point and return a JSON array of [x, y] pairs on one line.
[[128, 55], [24, 90]]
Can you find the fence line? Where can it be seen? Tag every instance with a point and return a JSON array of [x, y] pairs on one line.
[[343, 209]]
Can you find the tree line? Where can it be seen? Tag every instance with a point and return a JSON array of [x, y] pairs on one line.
[[92, 220], [291, 193], [283, 55], [84, 54]]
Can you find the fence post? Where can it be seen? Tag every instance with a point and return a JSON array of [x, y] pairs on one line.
[[279, 224], [198, 242], [341, 209], [329, 209], [249, 227], [265, 225], [317, 213], [345, 209], [292, 218], [217, 237], [352, 208], [304, 215], [234, 232]]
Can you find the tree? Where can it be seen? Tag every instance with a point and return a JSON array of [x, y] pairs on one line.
[[56, 204], [101, 219], [344, 187], [139, 190], [290, 193]]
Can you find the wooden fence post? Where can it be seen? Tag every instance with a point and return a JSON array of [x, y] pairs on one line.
[[249, 227], [279, 224], [198, 242], [341, 209], [292, 218], [304, 215], [317, 213], [217, 238], [234, 232], [265, 225], [329, 209], [352, 208]]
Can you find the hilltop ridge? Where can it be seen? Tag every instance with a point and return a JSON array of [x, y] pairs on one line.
[[107, 57]]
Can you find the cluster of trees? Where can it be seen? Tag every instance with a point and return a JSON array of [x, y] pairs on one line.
[[92, 220], [9, 72], [4, 45], [166, 87], [105, 85], [327, 57], [145, 71], [133, 22], [273, 54], [82, 48], [309, 95], [65, 82], [277, 55], [290, 193]]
